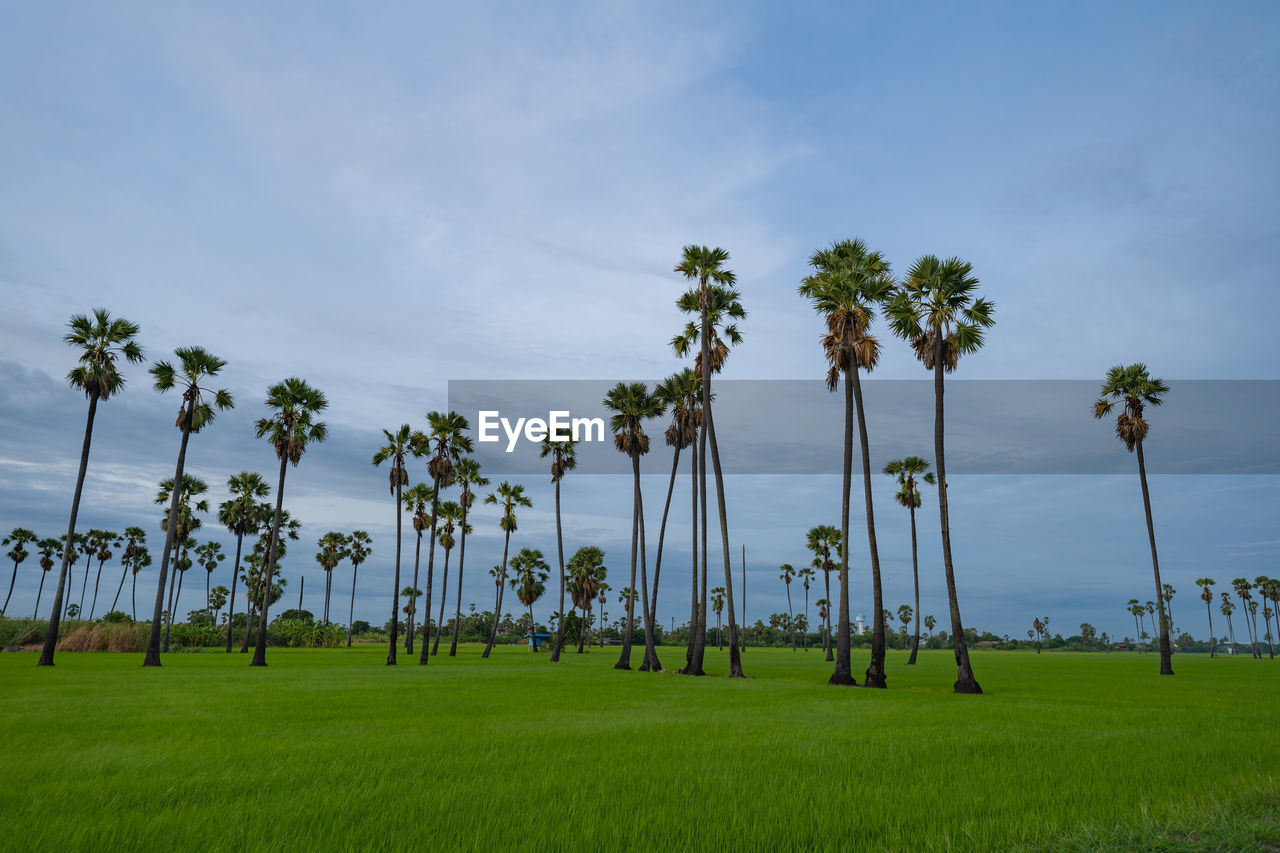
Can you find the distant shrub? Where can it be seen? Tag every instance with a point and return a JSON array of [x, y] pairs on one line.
[[303, 633], [197, 636], [117, 616]]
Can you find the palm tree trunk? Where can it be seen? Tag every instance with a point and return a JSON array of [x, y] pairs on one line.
[[168, 614], [134, 596], [177, 598], [965, 682], [207, 607], [431, 564], [12, 580], [735, 646], [582, 632], [444, 594], [119, 589], [875, 674], [351, 611], [843, 674], [93, 608], [497, 610], [650, 662], [693, 551], [462, 555], [700, 641], [826, 639], [559, 640], [269, 564], [791, 618], [84, 584], [413, 599], [805, 634], [662, 532], [533, 630], [1213, 641], [915, 577], [152, 657], [1251, 615], [395, 592], [624, 659], [235, 581], [36, 613], [1166, 651]]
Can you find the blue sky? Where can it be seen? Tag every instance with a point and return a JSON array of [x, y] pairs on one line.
[[383, 201]]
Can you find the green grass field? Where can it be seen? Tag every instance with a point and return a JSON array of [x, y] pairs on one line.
[[331, 750]]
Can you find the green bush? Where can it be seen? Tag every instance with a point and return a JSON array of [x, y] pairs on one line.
[[117, 616]]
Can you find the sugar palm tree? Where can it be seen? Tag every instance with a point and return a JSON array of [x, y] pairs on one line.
[[87, 546], [929, 622], [134, 537], [194, 366], [563, 459], [450, 517], [707, 267], [633, 404], [1133, 386], [717, 605], [181, 562], [602, 599], [48, 547], [447, 441], [290, 429], [416, 500], [1267, 589], [806, 575], [210, 557], [333, 550], [359, 545], [405, 442], [1244, 591], [849, 282], [94, 541], [587, 571], [101, 342], [1227, 609], [466, 472], [106, 541], [185, 524], [787, 575], [1206, 595], [530, 573], [905, 471], [1167, 593], [904, 615], [507, 496], [19, 537], [821, 540], [936, 311], [242, 515]]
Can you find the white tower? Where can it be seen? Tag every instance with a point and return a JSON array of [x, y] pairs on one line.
[[862, 625]]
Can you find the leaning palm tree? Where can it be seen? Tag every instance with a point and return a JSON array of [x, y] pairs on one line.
[[134, 538], [1133, 386], [906, 470], [451, 516], [821, 540], [210, 556], [1244, 590], [290, 429], [529, 583], [563, 459], [186, 524], [788, 574], [1206, 595], [466, 472], [806, 575], [633, 404], [447, 442], [101, 342], [936, 311], [19, 537], [106, 542], [416, 499], [359, 544], [509, 497], [715, 296], [848, 283], [48, 547], [1227, 609], [241, 516], [195, 365], [405, 442]]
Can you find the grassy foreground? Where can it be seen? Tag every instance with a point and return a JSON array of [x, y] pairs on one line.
[[329, 749]]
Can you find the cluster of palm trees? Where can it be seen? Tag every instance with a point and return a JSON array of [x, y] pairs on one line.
[[1268, 589]]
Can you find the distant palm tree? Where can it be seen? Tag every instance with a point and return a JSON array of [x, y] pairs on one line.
[[451, 516], [806, 575], [788, 573], [448, 441], [242, 515], [1167, 593], [529, 583], [848, 283], [1268, 589], [563, 459], [1135, 610], [405, 442], [358, 547], [416, 498], [1206, 594], [821, 540], [509, 497], [717, 604], [680, 392], [140, 561], [87, 545], [290, 429], [47, 548], [824, 616], [19, 537], [602, 599], [466, 472], [904, 614], [929, 622], [101, 342], [1244, 590], [905, 471], [935, 311], [333, 550], [182, 562], [1133, 386], [587, 572], [195, 365], [633, 404], [1227, 609], [185, 524], [210, 556], [106, 541], [134, 537]]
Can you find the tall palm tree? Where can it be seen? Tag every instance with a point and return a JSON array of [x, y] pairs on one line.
[[508, 496], [106, 541], [1167, 593], [806, 575], [195, 365], [186, 523], [1227, 609], [1206, 594], [87, 545], [466, 472], [633, 404], [848, 283], [563, 459], [821, 540], [94, 541], [242, 515], [358, 546], [141, 560], [936, 311], [824, 617], [717, 604], [787, 575], [1133, 386], [451, 516], [716, 298], [1244, 590], [529, 583], [416, 499], [1135, 610], [447, 441], [333, 548], [405, 442], [48, 547], [904, 615], [19, 537], [602, 599], [290, 429], [1267, 589], [182, 562], [134, 537], [101, 342], [587, 570], [906, 470], [210, 556]]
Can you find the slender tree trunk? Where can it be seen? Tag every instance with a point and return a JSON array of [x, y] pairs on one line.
[[700, 642], [12, 581], [152, 657], [269, 564], [1250, 613], [119, 589], [559, 641], [624, 659], [351, 611], [1166, 651], [650, 662], [176, 599], [36, 614], [431, 565], [497, 610], [805, 634], [462, 555], [1213, 640], [662, 532], [413, 599], [791, 618], [235, 581], [843, 674], [395, 593], [444, 594], [168, 616], [826, 639], [250, 614], [84, 584], [965, 682], [735, 645], [693, 551], [97, 581], [134, 596], [915, 577], [875, 674], [207, 607]]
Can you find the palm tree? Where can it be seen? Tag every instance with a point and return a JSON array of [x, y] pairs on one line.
[[929, 622], [466, 471], [48, 547], [210, 556], [195, 364], [106, 541], [904, 615], [848, 283], [132, 539], [182, 562], [602, 599], [404, 443], [449, 443], [101, 342], [821, 540], [806, 575], [186, 523], [529, 582], [563, 458], [19, 537], [1243, 590], [94, 541], [1135, 610], [1133, 385], [509, 497], [935, 311], [789, 572], [715, 294], [1206, 594], [333, 550], [290, 429], [416, 498], [87, 544], [1267, 588], [450, 514], [1227, 609], [633, 404], [140, 561], [1167, 593], [717, 604], [587, 572], [359, 544], [906, 470], [242, 515], [412, 593]]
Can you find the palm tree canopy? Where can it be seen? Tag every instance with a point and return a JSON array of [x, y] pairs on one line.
[[564, 457], [242, 514], [404, 442], [906, 470], [447, 435], [937, 298], [632, 404], [847, 284], [1133, 386], [682, 392], [293, 426], [530, 574], [194, 364], [466, 471], [101, 341], [508, 496], [359, 545]]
